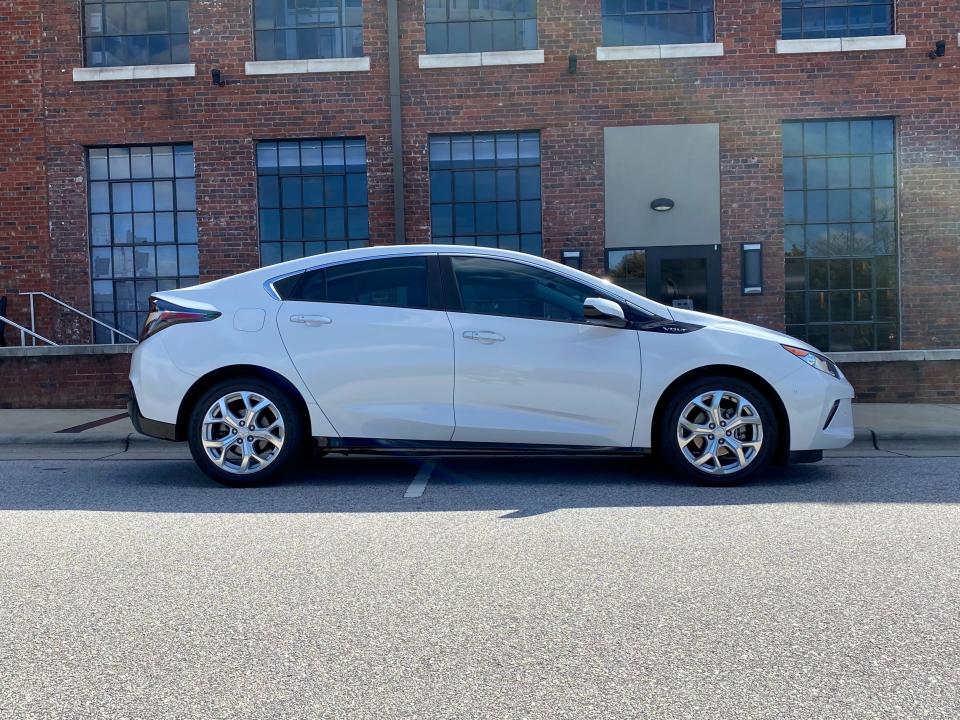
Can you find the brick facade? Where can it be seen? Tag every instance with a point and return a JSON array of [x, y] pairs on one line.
[[47, 120]]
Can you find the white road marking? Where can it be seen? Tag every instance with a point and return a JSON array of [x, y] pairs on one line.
[[419, 483]]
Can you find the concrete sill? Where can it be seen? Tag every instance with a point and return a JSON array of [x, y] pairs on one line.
[[319, 65], [460, 60], [49, 350], [873, 356], [851, 44], [133, 72], [659, 52]]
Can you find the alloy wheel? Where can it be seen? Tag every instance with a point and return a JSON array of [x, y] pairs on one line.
[[243, 432], [720, 432]]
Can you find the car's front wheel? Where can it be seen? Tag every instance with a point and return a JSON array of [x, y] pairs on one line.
[[718, 431], [244, 432]]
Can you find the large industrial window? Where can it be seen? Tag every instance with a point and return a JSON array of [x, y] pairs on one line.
[[306, 29], [840, 214], [312, 197], [485, 190], [135, 32], [459, 26], [143, 229], [836, 18], [649, 22]]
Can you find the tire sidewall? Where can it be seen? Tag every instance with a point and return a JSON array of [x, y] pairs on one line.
[[673, 456], [292, 441]]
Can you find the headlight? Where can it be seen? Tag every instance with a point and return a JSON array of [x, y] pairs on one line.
[[815, 360]]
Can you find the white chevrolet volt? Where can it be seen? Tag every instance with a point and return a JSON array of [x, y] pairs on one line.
[[430, 349]]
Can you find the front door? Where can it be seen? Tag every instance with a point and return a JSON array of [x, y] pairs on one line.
[[372, 351], [685, 277], [528, 368]]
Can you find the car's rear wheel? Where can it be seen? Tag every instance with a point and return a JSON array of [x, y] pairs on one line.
[[718, 431], [245, 432]]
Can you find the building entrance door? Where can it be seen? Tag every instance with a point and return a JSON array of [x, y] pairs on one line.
[[685, 276]]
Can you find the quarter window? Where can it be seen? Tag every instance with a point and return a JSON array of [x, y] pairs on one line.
[[458, 26], [649, 22], [306, 29], [134, 32], [143, 229], [499, 287], [836, 18], [312, 196], [840, 233], [390, 282], [485, 190]]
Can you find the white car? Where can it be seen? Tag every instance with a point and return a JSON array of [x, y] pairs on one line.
[[432, 348]]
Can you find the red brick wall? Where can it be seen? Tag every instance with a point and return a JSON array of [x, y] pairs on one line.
[[65, 381], [935, 381], [749, 91]]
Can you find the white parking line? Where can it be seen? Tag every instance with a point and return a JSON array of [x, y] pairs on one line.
[[419, 483]]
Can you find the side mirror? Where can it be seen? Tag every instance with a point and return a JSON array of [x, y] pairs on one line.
[[599, 311]]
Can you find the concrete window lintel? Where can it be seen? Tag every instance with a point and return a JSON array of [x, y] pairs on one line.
[[660, 52], [317, 65], [479, 59], [847, 44]]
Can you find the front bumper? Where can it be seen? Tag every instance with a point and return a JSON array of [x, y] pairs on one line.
[[820, 408], [146, 426]]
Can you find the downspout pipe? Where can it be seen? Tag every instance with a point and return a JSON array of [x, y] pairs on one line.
[[396, 120]]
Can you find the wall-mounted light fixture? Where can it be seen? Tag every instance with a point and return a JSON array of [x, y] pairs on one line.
[[572, 258], [751, 263], [939, 50], [217, 77], [662, 205], [572, 64]]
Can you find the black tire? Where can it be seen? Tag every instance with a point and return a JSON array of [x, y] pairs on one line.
[[280, 461], [669, 441]]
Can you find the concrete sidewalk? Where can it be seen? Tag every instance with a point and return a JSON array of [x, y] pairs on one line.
[[880, 426]]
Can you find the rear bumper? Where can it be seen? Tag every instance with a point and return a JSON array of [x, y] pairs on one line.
[[146, 426]]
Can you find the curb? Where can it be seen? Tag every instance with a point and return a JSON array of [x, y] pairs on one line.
[[48, 439]]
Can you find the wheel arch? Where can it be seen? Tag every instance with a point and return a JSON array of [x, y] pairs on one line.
[[772, 396], [205, 382]]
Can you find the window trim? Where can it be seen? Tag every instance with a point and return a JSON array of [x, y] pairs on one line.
[[864, 43], [133, 72], [608, 53]]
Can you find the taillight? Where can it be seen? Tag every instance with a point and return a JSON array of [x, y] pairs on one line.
[[164, 313]]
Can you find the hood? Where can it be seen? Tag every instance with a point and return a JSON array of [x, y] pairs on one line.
[[722, 324]]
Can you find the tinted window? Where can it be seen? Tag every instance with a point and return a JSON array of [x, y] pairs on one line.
[[287, 30], [134, 32], [500, 287], [629, 22], [836, 18], [392, 282], [456, 26]]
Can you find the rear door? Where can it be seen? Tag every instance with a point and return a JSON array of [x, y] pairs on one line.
[[529, 369], [371, 344]]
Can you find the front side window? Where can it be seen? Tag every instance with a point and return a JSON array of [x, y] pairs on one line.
[[390, 282], [308, 29], [460, 26], [489, 286], [312, 196], [653, 22], [836, 18], [840, 233], [135, 32], [485, 190], [143, 229]]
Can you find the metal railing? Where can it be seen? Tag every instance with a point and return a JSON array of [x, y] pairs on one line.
[[32, 330]]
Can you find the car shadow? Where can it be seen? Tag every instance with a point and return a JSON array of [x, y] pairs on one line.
[[519, 487]]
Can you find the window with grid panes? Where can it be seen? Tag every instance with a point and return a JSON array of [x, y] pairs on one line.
[[485, 190], [307, 29], [803, 19], [312, 197], [135, 32], [460, 26], [840, 233], [654, 22], [143, 229]]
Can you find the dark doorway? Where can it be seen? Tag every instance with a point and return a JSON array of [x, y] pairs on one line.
[[686, 276]]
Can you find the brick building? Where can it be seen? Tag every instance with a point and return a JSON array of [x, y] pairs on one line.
[[791, 163]]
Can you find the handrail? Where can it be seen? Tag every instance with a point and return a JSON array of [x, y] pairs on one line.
[[112, 329], [23, 330]]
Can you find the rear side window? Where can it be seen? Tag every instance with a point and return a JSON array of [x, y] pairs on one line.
[[390, 282], [499, 287]]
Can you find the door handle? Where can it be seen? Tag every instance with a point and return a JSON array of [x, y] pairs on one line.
[[311, 320], [487, 337]]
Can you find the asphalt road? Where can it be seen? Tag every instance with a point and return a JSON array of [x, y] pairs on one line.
[[492, 588]]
